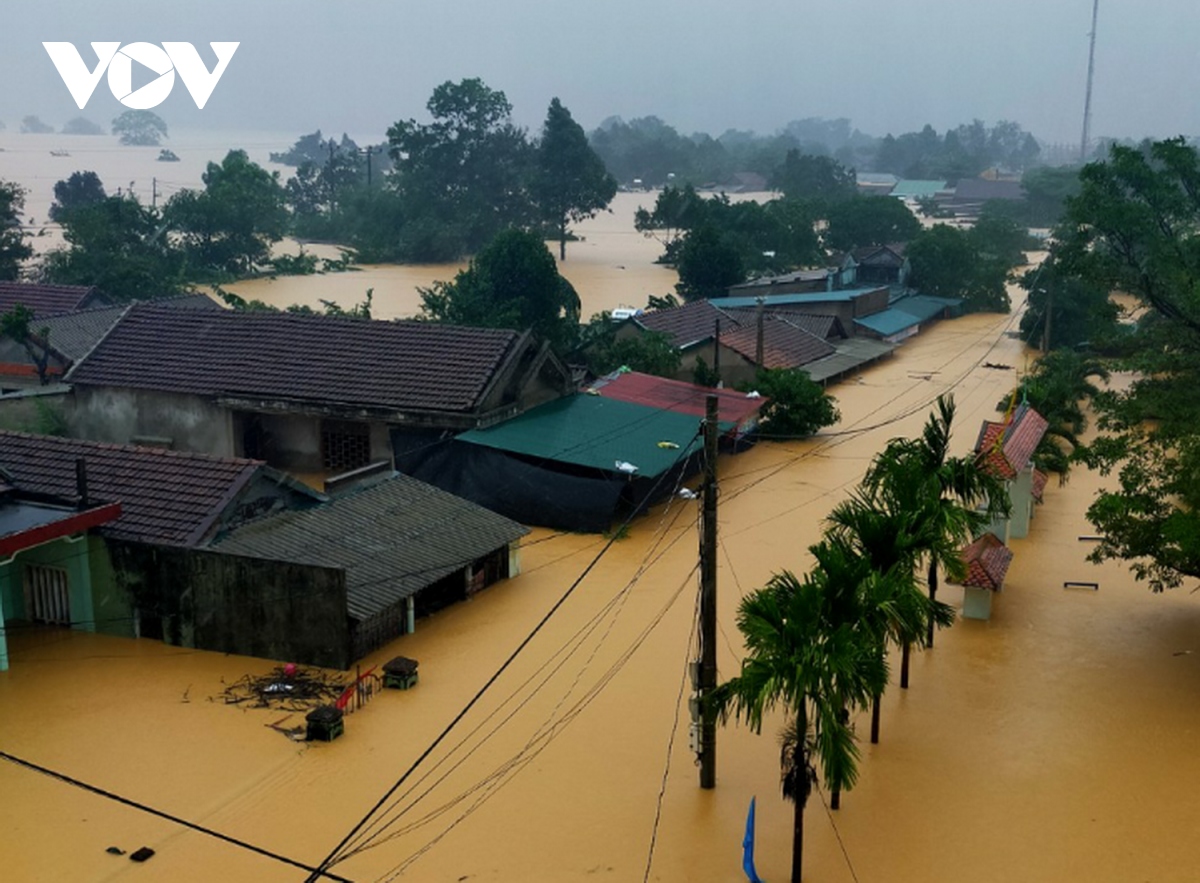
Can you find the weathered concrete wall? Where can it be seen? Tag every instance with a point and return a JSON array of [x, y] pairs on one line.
[[39, 410], [110, 599], [232, 604], [122, 416]]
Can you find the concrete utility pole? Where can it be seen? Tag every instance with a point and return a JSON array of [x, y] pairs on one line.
[[1087, 101], [708, 600]]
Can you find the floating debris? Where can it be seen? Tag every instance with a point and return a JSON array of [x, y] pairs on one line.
[[142, 854], [289, 688]]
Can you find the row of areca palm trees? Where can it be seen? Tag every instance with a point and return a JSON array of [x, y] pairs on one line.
[[817, 645]]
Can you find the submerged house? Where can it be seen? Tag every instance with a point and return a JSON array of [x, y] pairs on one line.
[[234, 556], [313, 395], [986, 561], [1006, 451], [403, 549], [572, 464]]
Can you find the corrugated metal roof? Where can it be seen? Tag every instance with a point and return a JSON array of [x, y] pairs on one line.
[[677, 396], [596, 432], [845, 295], [851, 354], [392, 539]]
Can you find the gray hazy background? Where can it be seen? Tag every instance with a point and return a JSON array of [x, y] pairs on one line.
[[700, 65]]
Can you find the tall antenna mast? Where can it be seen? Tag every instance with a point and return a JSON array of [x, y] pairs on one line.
[[1087, 103]]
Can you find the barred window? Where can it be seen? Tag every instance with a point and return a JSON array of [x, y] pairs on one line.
[[344, 446]]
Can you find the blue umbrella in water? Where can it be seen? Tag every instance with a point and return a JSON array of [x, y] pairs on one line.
[[748, 847]]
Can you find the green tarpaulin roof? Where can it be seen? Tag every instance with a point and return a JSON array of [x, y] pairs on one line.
[[597, 432]]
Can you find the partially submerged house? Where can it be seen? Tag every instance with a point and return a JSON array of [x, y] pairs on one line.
[[1006, 451], [234, 556], [986, 561], [969, 195], [405, 550], [907, 316], [572, 464], [738, 409], [313, 395], [163, 500]]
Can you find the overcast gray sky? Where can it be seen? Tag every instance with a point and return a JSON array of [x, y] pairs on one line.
[[700, 65]]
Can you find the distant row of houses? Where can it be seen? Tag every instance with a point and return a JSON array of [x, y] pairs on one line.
[[963, 198]]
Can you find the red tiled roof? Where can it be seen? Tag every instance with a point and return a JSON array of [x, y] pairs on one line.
[[989, 453], [987, 560], [784, 344], [1039, 484], [44, 300], [315, 359], [166, 497], [1023, 436], [687, 324], [1019, 438], [677, 396]]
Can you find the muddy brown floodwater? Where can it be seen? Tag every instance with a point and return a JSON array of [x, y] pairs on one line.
[[1054, 742]]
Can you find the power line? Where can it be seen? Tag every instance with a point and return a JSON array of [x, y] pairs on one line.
[[482, 690], [62, 777], [662, 789], [367, 840]]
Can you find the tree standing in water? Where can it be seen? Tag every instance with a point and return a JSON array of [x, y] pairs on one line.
[[811, 666], [570, 182]]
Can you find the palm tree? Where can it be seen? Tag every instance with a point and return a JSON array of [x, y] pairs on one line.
[[952, 496], [878, 543], [803, 661]]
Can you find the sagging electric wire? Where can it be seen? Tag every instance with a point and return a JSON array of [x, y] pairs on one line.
[[649, 559], [488, 684], [520, 760], [134, 804]]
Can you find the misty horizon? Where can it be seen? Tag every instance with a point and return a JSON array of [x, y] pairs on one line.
[[303, 66]]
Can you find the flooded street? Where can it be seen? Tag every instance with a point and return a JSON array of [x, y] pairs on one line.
[[1054, 742]]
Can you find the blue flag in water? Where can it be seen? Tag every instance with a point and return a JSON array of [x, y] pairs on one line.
[[748, 847]]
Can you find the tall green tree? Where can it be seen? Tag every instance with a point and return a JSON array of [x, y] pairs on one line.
[[816, 178], [140, 128], [512, 283], [14, 248], [228, 228], [869, 220], [120, 246], [810, 662], [709, 262], [947, 262], [80, 189], [570, 182], [950, 498], [796, 406], [17, 325], [1133, 228], [462, 177]]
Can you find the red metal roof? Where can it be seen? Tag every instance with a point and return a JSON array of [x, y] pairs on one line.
[[70, 523], [677, 396], [987, 560]]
